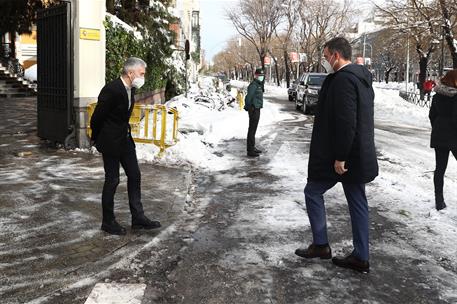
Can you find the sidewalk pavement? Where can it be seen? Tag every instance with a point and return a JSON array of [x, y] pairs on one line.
[[50, 211]]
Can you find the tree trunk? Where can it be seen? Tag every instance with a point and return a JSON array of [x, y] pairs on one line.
[[423, 63], [277, 73], [387, 74], [110, 6], [448, 34], [286, 63]]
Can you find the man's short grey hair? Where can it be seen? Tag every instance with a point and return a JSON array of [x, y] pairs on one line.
[[132, 63]]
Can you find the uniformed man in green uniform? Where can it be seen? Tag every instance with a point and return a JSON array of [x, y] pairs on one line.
[[253, 103]]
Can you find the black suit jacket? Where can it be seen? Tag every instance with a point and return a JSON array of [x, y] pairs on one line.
[[110, 121]]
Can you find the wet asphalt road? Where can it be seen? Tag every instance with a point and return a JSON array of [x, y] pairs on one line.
[[236, 242]]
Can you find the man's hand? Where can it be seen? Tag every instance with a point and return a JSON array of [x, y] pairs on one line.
[[339, 167]]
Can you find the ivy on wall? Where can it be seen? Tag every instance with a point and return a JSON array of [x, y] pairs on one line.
[[155, 48]]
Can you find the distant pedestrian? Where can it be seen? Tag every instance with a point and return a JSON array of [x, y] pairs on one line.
[[342, 150], [112, 137], [429, 84], [443, 117], [253, 103]]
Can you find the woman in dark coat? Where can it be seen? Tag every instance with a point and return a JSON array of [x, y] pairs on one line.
[[443, 117]]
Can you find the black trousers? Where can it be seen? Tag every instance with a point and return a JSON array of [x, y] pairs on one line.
[[111, 164], [254, 116], [441, 157]]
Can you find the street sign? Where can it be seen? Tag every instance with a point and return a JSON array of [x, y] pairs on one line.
[[303, 57], [293, 57], [89, 34], [267, 60]]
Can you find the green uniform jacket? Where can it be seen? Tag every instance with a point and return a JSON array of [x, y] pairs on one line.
[[254, 97]]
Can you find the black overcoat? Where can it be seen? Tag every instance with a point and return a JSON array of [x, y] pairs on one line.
[[344, 128], [443, 117]]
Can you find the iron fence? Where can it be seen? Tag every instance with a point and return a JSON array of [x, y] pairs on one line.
[[416, 98]]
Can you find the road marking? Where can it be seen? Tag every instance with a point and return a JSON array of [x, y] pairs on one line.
[[113, 293]]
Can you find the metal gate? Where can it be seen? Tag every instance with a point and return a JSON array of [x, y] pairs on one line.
[[55, 74]]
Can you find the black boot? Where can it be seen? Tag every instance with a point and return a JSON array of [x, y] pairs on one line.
[[439, 201], [113, 227], [253, 154], [144, 223]]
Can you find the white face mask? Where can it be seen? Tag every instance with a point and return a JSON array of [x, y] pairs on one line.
[[138, 82], [327, 66], [261, 78]]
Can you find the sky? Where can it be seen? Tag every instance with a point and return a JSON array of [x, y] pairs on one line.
[[216, 29]]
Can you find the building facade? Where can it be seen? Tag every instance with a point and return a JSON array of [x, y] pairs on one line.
[[188, 13]]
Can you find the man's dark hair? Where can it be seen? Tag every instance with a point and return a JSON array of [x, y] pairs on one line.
[[340, 45]]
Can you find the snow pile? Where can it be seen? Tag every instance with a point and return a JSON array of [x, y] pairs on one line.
[[115, 21], [389, 106], [405, 182], [208, 116]]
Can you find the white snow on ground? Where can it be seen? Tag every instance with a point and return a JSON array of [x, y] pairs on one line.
[[402, 192], [206, 118], [104, 293]]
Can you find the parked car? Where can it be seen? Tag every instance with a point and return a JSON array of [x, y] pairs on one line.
[[308, 91], [292, 91]]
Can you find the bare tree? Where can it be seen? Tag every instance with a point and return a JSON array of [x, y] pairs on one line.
[[420, 19], [291, 17], [448, 13], [321, 20], [389, 52], [257, 22]]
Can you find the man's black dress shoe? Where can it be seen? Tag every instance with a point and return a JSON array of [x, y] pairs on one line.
[[113, 227], [145, 223], [315, 251], [353, 263], [253, 154]]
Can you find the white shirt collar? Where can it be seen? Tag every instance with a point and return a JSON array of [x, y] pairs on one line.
[[126, 85], [344, 65]]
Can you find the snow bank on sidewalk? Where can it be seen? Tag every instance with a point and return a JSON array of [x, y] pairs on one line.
[[404, 188], [207, 117], [389, 106]]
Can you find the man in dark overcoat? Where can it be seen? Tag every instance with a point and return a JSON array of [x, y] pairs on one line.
[[342, 150]]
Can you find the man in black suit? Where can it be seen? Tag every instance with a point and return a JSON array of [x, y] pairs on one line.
[[111, 136]]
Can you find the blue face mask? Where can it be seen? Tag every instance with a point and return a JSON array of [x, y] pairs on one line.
[[261, 78]]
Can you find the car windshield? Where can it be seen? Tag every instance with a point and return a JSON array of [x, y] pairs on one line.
[[316, 80]]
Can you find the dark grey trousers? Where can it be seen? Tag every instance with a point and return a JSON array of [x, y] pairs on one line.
[[254, 116], [111, 164]]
